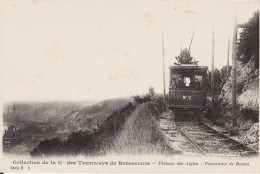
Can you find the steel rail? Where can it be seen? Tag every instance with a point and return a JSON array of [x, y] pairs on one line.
[[246, 147], [247, 151], [193, 142]]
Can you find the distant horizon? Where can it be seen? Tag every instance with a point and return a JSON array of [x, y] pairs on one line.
[[64, 101]]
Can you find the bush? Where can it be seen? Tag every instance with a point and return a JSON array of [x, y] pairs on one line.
[[48, 147], [78, 141], [248, 47], [233, 131], [141, 99], [250, 114], [240, 87]]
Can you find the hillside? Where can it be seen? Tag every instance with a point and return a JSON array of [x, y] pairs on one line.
[[46, 120], [247, 89], [90, 117], [130, 129], [247, 105], [42, 111]]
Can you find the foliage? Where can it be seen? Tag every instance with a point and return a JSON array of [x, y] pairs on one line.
[[158, 103], [247, 89], [85, 142], [224, 74], [145, 98], [217, 81], [112, 125], [184, 57], [141, 99], [220, 78], [240, 86], [248, 46], [151, 91], [48, 147], [78, 141], [88, 117], [250, 114]]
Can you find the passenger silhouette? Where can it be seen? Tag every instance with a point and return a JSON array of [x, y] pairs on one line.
[[173, 84], [196, 84], [180, 83]]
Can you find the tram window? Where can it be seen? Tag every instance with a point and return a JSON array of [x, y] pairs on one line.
[[187, 81], [199, 78], [175, 76], [200, 84]]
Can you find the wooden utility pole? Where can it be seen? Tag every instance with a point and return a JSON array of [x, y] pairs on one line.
[[234, 76], [228, 59], [212, 64], [164, 92]]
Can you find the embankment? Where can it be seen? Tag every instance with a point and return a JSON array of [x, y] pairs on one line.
[[140, 133], [247, 130]]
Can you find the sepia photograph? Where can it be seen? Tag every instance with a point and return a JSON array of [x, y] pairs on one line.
[[129, 86]]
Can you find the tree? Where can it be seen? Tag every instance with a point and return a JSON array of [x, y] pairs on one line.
[[217, 81], [248, 46], [224, 75], [48, 147], [184, 57], [151, 91]]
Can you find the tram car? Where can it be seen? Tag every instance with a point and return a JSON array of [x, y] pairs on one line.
[[188, 89]]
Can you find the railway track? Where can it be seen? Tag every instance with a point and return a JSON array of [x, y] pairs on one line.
[[208, 141], [174, 138]]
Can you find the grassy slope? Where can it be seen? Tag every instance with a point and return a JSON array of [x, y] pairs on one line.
[[140, 134]]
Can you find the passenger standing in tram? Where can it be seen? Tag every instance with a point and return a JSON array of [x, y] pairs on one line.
[[180, 83], [196, 84], [173, 84], [192, 84]]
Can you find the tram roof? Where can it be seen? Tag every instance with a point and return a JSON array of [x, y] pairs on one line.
[[186, 66]]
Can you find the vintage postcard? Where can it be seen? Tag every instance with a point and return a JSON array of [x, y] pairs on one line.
[[129, 86]]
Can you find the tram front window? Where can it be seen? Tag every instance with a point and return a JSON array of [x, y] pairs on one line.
[[187, 81], [180, 83], [198, 82]]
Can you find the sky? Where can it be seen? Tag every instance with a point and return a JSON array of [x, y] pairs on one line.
[[94, 50]]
